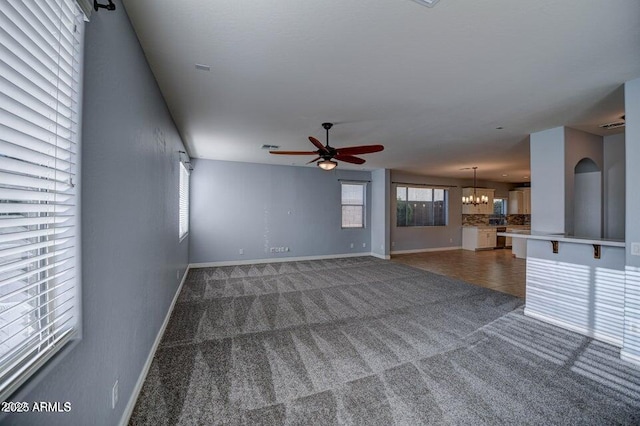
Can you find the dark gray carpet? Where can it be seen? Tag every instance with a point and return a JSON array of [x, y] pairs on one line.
[[369, 342]]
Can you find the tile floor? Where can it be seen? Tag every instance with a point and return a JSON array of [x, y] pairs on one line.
[[495, 269]]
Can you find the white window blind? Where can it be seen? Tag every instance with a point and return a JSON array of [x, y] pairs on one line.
[[184, 201], [353, 205], [40, 71]]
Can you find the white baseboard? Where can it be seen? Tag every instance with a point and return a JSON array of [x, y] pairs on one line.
[[381, 256], [425, 250], [572, 327], [147, 365], [276, 260], [629, 357]]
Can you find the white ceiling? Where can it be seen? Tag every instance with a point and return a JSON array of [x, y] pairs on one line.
[[430, 84]]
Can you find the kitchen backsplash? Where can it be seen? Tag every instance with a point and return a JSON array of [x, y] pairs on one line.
[[475, 219], [488, 219], [519, 219]]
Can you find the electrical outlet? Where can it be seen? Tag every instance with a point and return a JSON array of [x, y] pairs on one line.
[[286, 249], [393, 243], [450, 240], [114, 395], [241, 251], [364, 244], [635, 249], [351, 245]]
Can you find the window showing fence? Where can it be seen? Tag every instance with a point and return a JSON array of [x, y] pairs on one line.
[[421, 206]]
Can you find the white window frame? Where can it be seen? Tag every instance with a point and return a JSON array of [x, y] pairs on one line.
[[40, 116], [183, 203], [363, 205], [432, 188]]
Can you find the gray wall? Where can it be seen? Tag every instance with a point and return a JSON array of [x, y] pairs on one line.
[[578, 145], [254, 207], [380, 213], [130, 243], [587, 213], [632, 231], [547, 178], [554, 156], [614, 186], [501, 188], [427, 237], [632, 150], [434, 237]]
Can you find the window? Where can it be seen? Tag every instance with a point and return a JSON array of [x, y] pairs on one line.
[[353, 205], [40, 73], [500, 206], [421, 206], [183, 225]]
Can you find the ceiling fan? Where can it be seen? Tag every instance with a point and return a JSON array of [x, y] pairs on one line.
[[327, 153]]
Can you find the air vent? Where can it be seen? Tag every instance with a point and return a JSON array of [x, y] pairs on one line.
[[614, 125], [267, 146], [428, 3], [203, 67]]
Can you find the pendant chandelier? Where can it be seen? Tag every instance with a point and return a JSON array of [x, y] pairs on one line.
[[474, 200]]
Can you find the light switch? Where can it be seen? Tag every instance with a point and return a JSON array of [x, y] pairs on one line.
[[635, 249]]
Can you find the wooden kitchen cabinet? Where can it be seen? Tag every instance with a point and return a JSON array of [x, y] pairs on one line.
[[474, 238], [481, 208], [519, 201], [487, 239], [515, 203]]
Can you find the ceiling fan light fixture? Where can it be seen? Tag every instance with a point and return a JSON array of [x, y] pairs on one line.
[[326, 153], [327, 164]]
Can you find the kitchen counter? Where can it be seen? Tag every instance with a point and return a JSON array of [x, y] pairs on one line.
[[520, 237], [484, 237], [576, 283], [521, 233]]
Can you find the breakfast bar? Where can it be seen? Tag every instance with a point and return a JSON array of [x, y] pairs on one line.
[[575, 283]]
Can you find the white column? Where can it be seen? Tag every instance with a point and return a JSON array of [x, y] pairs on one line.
[[380, 213], [548, 181], [631, 345]]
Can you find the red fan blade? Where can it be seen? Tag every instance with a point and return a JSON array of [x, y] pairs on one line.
[[356, 150], [294, 152], [315, 159], [318, 144], [350, 159]]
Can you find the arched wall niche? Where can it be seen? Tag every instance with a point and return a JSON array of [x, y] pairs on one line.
[[587, 199]]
